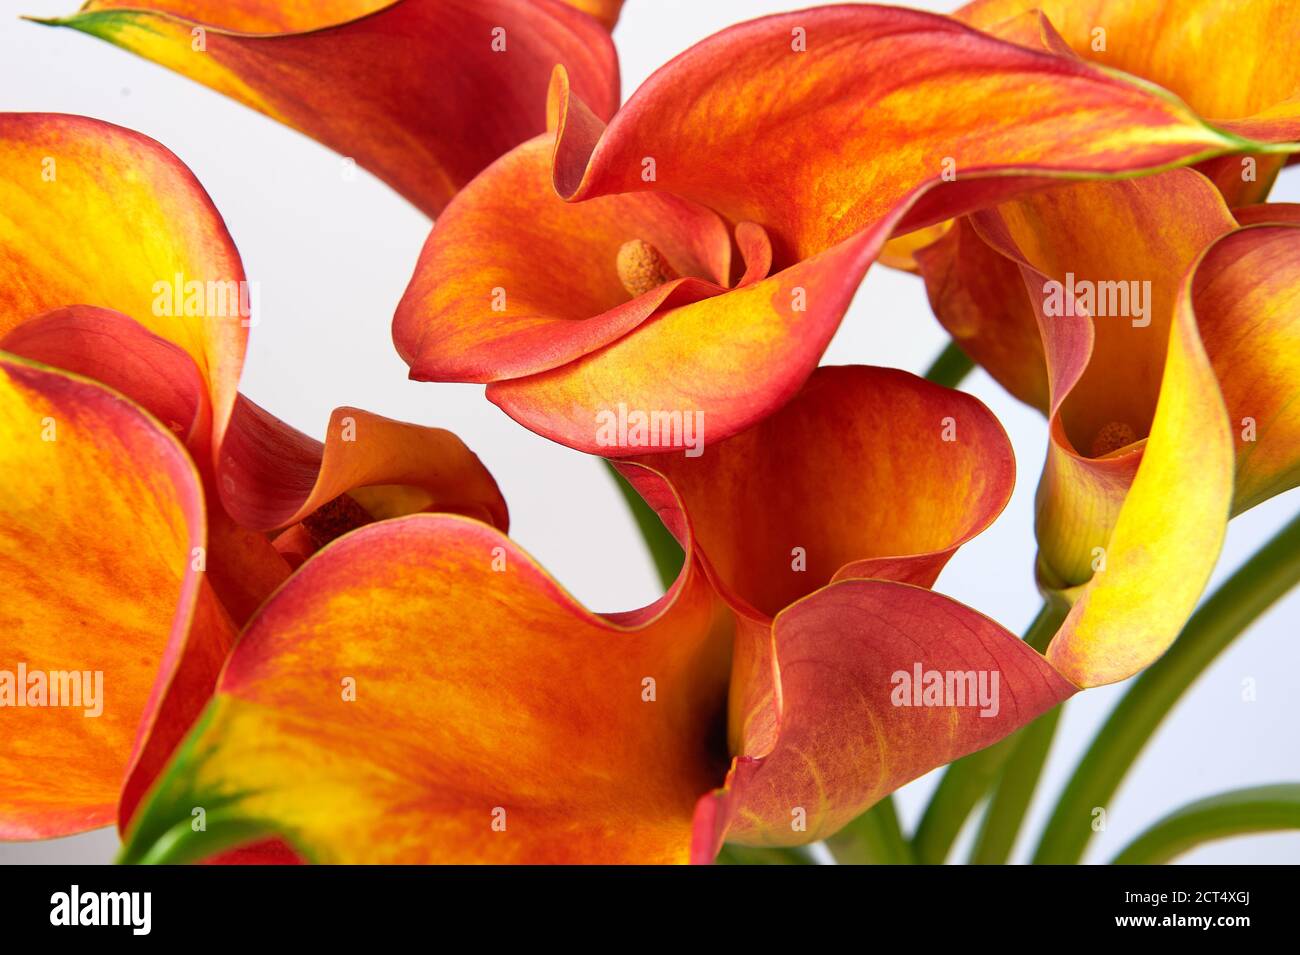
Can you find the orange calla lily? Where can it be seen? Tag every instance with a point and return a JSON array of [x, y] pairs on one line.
[[1245, 294], [825, 760], [152, 222], [109, 353], [1133, 36], [1154, 405], [385, 82], [88, 474], [422, 691], [1201, 59], [568, 305]]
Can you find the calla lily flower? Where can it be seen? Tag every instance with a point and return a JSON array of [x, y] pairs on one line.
[[139, 485], [1133, 36], [1199, 50], [422, 691], [1159, 334], [119, 492], [623, 287], [423, 93]]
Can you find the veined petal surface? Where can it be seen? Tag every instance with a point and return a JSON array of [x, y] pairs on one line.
[[423, 93], [1133, 502], [880, 682], [102, 216], [491, 718], [102, 524]]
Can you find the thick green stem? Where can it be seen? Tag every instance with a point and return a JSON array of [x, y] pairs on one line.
[[1259, 582], [874, 838], [664, 549], [1015, 790], [746, 855], [951, 367], [967, 780], [1236, 813]]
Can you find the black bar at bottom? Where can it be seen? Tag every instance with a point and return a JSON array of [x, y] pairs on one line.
[[256, 904]]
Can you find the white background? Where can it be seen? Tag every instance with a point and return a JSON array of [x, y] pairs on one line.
[[333, 257]]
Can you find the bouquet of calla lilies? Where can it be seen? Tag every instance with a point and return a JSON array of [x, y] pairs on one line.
[[239, 644]]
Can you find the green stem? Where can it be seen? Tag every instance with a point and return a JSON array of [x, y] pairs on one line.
[[1015, 790], [1259, 582], [874, 838], [664, 549], [747, 855], [1236, 813], [951, 367], [967, 780]]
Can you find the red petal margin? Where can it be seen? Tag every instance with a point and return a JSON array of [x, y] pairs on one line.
[[1201, 59], [98, 215], [868, 113], [977, 294], [1014, 119], [271, 475], [1268, 213], [1246, 296], [115, 537], [482, 688], [117, 351], [514, 280], [122, 354], [1199, 49], [867, 472], [419, 92], [842, 743]]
